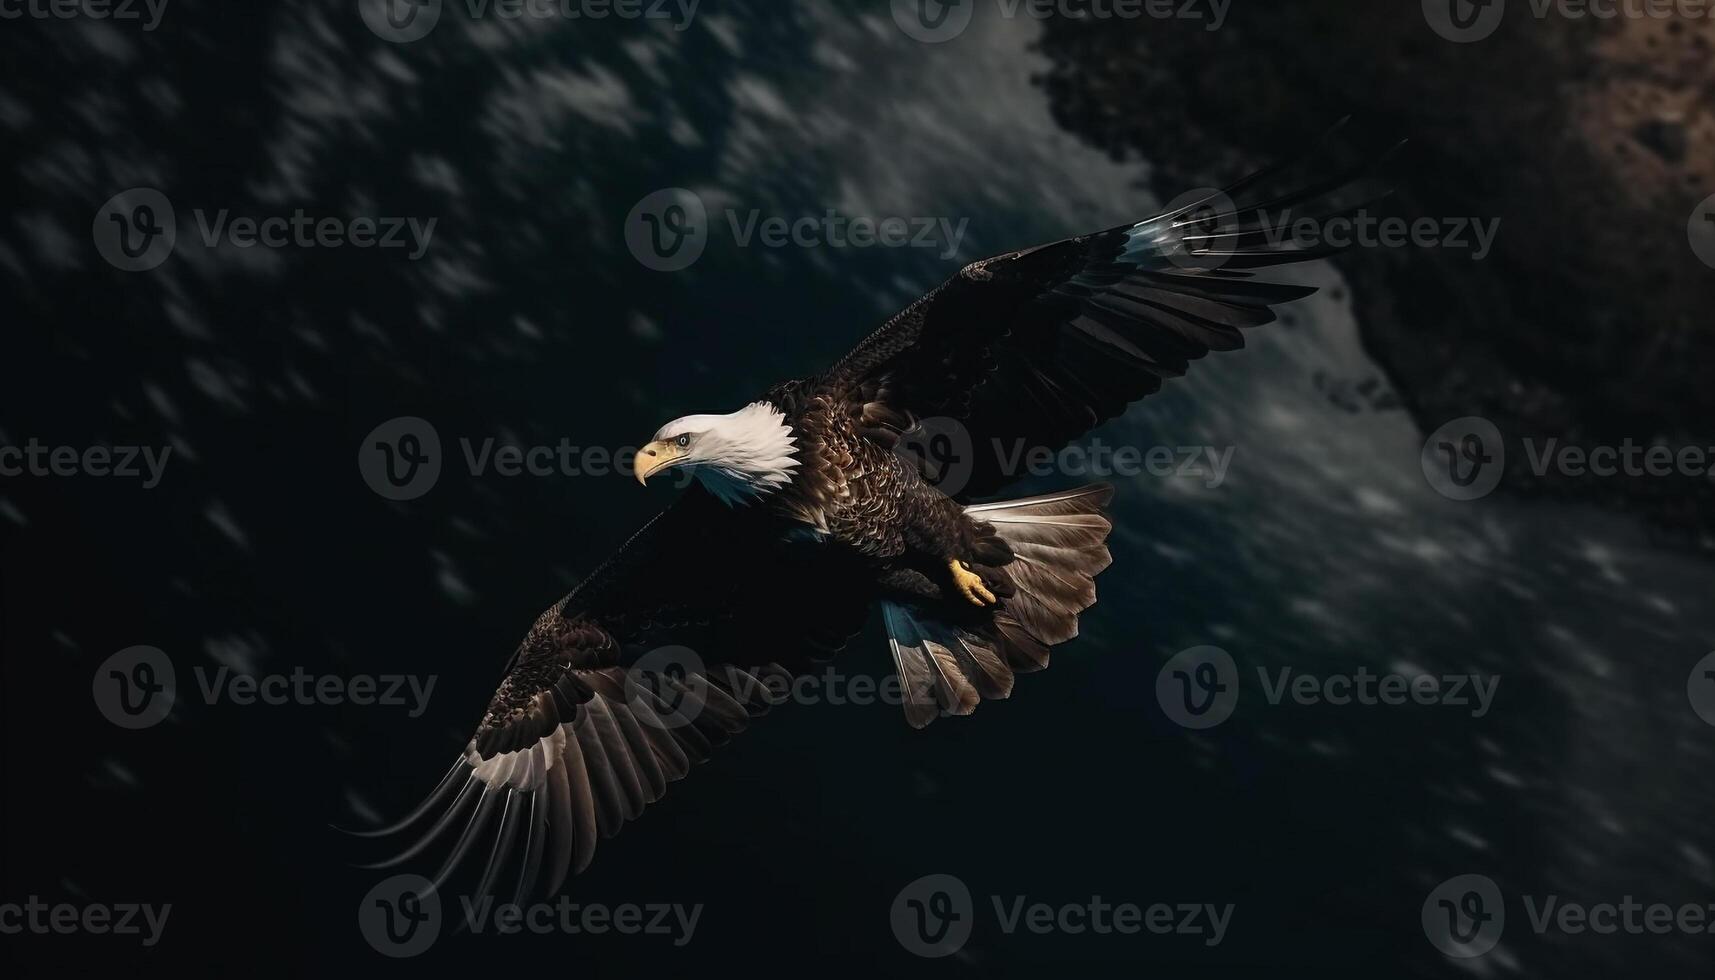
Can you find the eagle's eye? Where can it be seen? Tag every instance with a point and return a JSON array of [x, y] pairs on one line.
[[684, 440]]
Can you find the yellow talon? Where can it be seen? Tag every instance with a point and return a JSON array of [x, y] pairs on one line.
[[970, 584]]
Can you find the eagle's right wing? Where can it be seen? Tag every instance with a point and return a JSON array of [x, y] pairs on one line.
[[1037, 347], [663, 653]]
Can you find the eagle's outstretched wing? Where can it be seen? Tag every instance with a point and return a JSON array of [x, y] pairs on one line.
[[1037, 347], [663, 653]]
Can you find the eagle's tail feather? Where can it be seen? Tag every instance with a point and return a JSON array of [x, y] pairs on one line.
[[1058, 546], [932, 679]]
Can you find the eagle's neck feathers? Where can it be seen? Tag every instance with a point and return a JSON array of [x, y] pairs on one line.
[[747, 455]]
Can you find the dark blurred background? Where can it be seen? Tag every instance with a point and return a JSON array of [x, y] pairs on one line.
[[528, 319]]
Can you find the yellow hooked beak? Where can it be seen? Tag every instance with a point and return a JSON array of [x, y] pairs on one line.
[[654, 458]]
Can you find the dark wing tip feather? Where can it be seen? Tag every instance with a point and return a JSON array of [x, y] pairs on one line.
[[533, 814], [1040, 345]]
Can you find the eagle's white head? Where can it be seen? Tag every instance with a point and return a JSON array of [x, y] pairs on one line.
[[738, 457]]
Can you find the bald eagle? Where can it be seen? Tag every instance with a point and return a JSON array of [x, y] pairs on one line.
[[802, 517]]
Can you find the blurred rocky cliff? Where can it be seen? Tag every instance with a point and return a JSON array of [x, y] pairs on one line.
[[1593, 141]]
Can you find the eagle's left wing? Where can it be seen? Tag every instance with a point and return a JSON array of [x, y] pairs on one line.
[[663, 653], [1037, 347]]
